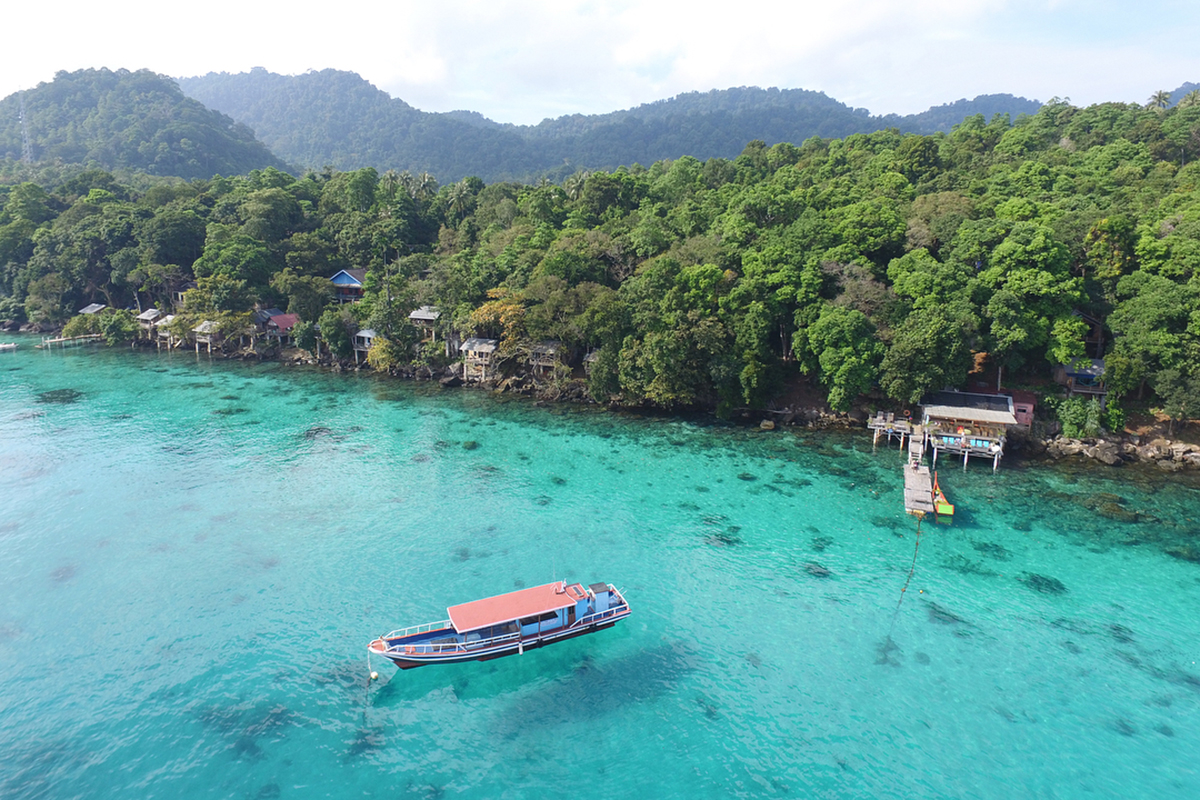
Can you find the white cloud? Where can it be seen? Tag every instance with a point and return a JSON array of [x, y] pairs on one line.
[[522, 61]]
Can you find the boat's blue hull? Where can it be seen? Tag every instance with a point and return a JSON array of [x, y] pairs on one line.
[[407, 660]]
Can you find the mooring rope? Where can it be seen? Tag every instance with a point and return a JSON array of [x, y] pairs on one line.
[[911, 569]]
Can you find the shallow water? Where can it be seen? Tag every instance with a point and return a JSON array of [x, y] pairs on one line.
[[196, 554]]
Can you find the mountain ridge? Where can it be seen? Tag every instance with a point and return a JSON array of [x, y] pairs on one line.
[[304, 119], [127, 120]]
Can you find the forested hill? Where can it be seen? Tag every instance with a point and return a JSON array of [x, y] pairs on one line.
[[122, 120], [881, 264], [337, 118]]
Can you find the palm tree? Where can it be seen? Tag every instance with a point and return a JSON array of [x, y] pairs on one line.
[[573, 185], [1160, 100], [1190, 99], [426, 186], [389, 182], [459, 198]]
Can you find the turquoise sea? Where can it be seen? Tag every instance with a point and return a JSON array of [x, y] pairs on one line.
[[194, 555]]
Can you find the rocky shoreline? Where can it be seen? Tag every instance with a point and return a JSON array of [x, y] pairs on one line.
[[1165, 454]]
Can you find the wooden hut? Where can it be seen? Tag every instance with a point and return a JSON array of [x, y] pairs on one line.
[[280, 327], [363, 341], [477, 357], [162, 332], [147, 319], [967, 424], [544, 355], [206, 333], [1084, 377], [348, 285], [425, 320], [180, 291]]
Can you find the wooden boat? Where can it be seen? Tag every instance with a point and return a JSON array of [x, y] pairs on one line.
[[505, 624], [941, 506]]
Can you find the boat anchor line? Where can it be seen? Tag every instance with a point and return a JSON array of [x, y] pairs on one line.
[[911, 569]]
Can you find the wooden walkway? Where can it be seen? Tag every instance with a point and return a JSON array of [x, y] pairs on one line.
[[918, 483], [67, 341]]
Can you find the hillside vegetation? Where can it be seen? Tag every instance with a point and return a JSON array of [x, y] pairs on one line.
[[338, 119], [883, 263], [136, 121]]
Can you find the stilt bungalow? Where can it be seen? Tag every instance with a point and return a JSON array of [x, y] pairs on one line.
[[147, 320], [544, 355], [206, 333], [425, 320], [162, 333], [348, 285], [363, 340], [1083, 377], [260, 317], [477, 358], [967, 424], [280, 326]]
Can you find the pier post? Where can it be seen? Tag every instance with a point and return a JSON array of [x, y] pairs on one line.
[[966, 455]]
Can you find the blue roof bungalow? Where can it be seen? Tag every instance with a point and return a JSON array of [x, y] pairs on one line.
[[1082, 376], [348, 285]]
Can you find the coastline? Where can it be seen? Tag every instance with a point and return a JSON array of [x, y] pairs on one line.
[[1038, 445]]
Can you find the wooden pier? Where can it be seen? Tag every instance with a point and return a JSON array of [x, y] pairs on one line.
[[67, 341], [918, 482]]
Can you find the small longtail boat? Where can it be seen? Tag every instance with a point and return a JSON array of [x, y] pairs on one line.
[[505, 624], [942, 506]]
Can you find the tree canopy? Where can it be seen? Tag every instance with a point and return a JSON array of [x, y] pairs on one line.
[[884, 262]]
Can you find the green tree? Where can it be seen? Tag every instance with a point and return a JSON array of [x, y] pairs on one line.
[[841, 344], [929, 351]]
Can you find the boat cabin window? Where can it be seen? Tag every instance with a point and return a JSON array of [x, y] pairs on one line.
[[549, 615]]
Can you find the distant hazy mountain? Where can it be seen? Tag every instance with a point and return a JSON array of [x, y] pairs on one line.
[[128, 120], [339, 119], [1179, 93]]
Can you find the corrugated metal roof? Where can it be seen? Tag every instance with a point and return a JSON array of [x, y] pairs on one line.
[[208, 326], [514, 605], [425, 314], [283, 322], [970, 414], [149, 315], [92, 308], [479, 345], [547, 348]]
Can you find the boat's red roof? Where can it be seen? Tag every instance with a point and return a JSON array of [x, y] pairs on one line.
[[515, 605]]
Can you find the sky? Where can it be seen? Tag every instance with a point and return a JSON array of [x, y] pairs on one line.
[[522, 62]]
